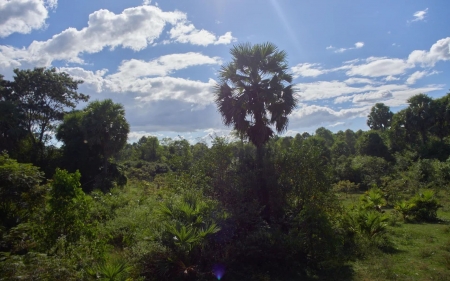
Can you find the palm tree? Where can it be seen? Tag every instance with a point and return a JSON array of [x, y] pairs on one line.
[[255, 96], [254, 93]]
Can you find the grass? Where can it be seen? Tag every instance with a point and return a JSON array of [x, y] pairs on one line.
[[422, 250]]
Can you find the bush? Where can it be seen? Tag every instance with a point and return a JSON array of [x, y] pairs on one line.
[[422, 207]]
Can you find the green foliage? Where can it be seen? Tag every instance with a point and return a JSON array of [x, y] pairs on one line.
[[112, 270], [422, 207], [91, 137], [43, 96], [21, 195], [256, 83], [345, 186], [380, 117], [369, 170], [373, 199], [68, 214], [371, 144]]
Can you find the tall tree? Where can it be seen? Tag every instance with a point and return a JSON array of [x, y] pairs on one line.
[[255, 93], [255, 96], [12, 129], [105, 126], [94, 134], [380, 117], [44, 96], [420, 115]]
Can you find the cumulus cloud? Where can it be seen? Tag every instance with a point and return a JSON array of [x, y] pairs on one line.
[[356, 80], [380, 66], [391, 78], [307, 70], [22, 16], [372, 97], [359, 45], [315, 115], [415, 76], [135, 28], [439, 51], [163, 65], [420, 15], [134, 76]]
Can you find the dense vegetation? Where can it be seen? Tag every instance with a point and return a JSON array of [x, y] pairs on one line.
[[327, 206]]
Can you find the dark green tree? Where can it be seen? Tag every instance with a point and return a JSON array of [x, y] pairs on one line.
[[255, 96], [380, 117], [371, 144], [105, 127], [326, 135], [420, 115], [43, 96], [12, 125], [149, 149], [92, 136], [441, 126]]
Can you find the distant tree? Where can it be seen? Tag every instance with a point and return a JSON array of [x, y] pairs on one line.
[[326, 134], [371, 144], [380, 117], [43, 96], [420, 115], [149, 149], [441, 126]]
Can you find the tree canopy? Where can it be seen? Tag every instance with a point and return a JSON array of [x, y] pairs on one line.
[[255, 93]]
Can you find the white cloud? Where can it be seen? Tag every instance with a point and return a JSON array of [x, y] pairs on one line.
[[22, 16], [163, 65], [355, 80], [307, 70], [135, 28], [372, 97], [343, 99], [391, 78], [186, 33], [314, 115], [135, 77], [336, 124], [375, 67], [439, 51], [359, 45], [415, 76], [227, 38], [92, 79], [420, 15]]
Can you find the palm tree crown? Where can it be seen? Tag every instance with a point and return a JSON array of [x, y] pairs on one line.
[[255, 92]]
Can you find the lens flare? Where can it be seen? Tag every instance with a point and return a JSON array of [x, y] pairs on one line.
[[219, 271]]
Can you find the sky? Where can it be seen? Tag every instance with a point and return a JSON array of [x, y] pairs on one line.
[[160, 59]]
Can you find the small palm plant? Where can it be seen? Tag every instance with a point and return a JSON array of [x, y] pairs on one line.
[[188, 225], [373, 199], [113, 270]]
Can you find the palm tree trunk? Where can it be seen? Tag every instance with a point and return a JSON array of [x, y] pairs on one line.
[[262, 184]]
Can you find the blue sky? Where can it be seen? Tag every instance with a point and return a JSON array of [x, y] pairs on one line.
[[160, 59]]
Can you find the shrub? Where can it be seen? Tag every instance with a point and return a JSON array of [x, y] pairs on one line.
[[422, 207]]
